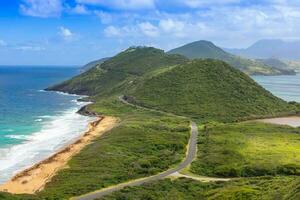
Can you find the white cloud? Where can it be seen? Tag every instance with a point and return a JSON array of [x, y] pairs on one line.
[[41, 8], [29, 48], [2, 43], [204, 3], [112, 31], [80, 9], [65, 33], [105, 18], [170, 25], [149, 29], [121, 4]]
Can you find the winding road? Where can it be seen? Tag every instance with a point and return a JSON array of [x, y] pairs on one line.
[[190, 155]]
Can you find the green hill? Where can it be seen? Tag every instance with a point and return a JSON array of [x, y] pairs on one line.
[[206, 49], [119, 71], [276, 63], [93, 64], [207, 90]]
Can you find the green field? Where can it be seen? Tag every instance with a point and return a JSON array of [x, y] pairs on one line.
[[248, 149], [265, 188]]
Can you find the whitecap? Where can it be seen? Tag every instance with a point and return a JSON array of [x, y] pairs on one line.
[[54, 134], [17, 137]]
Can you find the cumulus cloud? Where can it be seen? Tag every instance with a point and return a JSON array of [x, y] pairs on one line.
[[80, 9], [149, 29], [121, 4], [65, 33], [105, 17], [41, 8], [29, 48], [2, 43], [112, 31], [205, 3]]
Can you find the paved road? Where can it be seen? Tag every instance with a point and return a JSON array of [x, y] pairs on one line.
[[191, 154]]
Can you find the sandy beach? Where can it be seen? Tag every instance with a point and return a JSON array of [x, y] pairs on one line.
[[293, 121], [34, 178]]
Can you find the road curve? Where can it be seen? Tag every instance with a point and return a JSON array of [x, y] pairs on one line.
[[190, 155]]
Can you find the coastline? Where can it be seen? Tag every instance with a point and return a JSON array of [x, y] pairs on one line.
[[34, 179]]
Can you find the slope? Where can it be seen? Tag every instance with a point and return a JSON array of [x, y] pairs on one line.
[[207, 90], [120, 70], [94, 64], [206, 49]]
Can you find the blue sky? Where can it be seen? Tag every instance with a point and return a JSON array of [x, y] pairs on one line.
[[73, 32]]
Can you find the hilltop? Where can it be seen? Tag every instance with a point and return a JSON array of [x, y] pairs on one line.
[[208, 90], [206, 49], [119, 71]]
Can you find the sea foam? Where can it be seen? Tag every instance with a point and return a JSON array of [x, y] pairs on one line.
[[55, 133]]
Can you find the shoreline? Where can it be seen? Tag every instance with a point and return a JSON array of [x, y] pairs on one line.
[[292, 121], [33, 179]]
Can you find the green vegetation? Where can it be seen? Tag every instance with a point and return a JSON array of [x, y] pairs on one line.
[[247, 149], [132, 150], [118, 72], [208, 90], [278, 64], [206, 49], [265, 188], [7, 196], [94, 63]]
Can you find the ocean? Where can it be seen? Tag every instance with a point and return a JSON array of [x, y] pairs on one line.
[[285, 87], [35, 123]]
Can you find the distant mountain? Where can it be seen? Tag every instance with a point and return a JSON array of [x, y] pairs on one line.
[[271, 48], [208, 90], [276, 63], [93, 64], [206, 49]]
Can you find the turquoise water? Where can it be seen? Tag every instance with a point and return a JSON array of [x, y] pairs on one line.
[[285, 87], [35, 123]]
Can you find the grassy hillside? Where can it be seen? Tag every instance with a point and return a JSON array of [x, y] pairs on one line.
[[206, 49], [266, 188], [208, 90], [119, 70], [93, 64], [247, 150]]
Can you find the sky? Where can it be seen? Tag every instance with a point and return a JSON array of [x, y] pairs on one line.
[[74, 32]]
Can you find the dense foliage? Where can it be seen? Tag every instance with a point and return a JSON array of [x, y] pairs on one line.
[[265, 188], [119, 70], [248, 149], [208, 90]]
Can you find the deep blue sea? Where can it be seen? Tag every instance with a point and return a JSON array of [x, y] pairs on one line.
[[35, 123]]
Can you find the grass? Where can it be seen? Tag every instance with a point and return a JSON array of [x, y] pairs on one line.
[[247, 149], [208, 90], [132, 150], [264, 188], [119, 70]]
